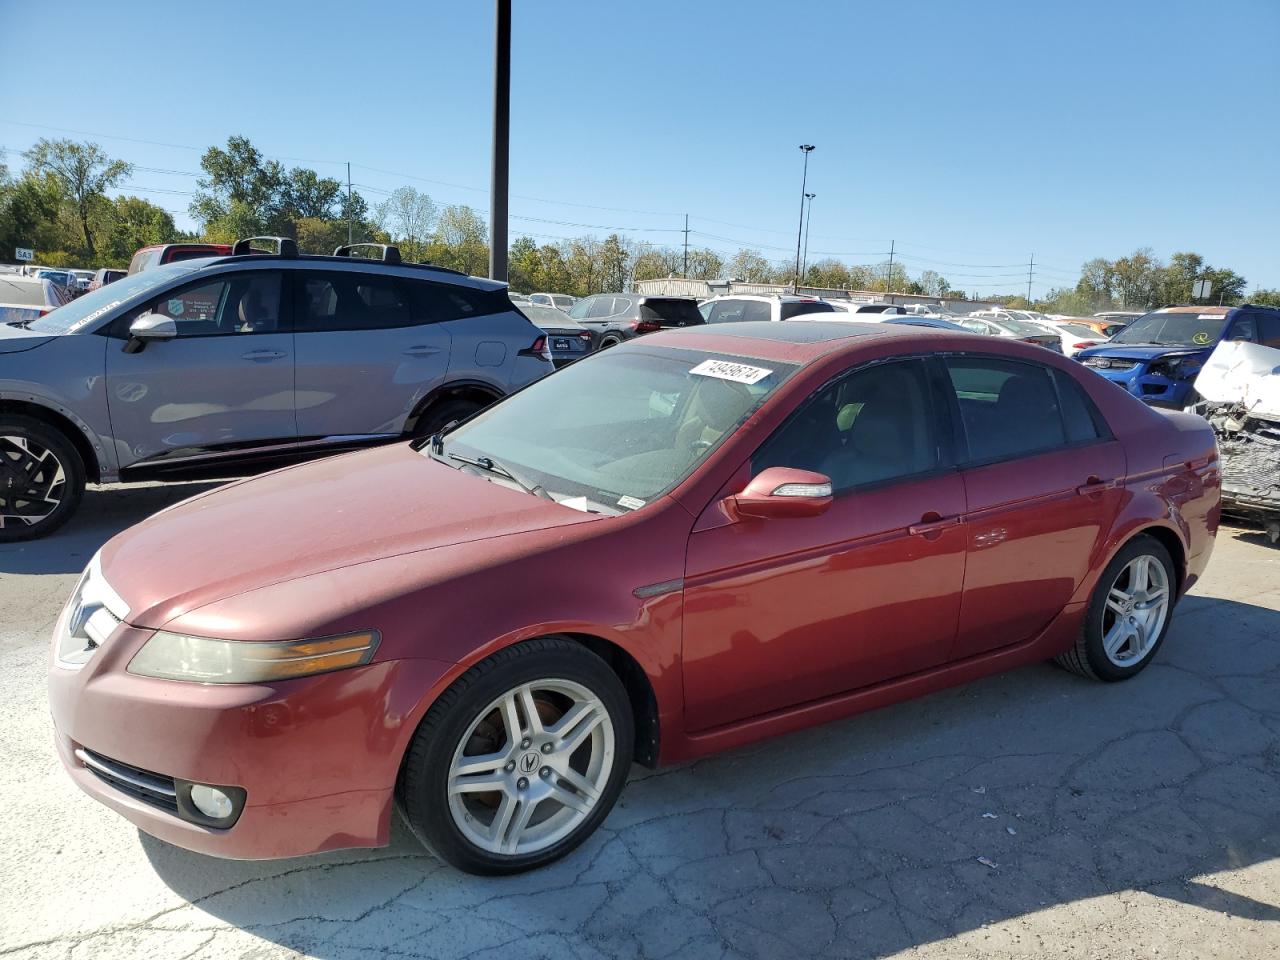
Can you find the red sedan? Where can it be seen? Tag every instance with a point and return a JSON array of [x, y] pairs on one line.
[[681, 545]]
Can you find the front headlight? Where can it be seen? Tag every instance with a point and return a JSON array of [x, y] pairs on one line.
[[177, 656], [1178, 366]]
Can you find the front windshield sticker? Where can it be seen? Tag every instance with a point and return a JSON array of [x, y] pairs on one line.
[[93, 316], [631, 503], [724, 370], [1209, 316], [1201, 338]]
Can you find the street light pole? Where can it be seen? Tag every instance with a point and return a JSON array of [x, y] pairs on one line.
[[501, 142], [806, 149], [804, 261]]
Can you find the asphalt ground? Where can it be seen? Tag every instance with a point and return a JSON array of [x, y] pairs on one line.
[[1028, 815]]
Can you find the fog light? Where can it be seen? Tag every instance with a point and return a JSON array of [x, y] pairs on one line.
[[211, 801]]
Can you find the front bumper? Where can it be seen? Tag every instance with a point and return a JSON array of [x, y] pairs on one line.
[[317, 757], [1148, 387]]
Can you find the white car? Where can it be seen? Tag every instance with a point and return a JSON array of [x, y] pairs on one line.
[[1073, 337], [1017, 329], [850, 306], [750, 306], [561, 301]]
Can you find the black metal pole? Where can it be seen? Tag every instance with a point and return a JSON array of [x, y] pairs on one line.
[[804, 261], [501, 142], [806, 148]]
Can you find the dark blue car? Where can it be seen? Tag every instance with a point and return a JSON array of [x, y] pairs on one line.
[[1156, 358]]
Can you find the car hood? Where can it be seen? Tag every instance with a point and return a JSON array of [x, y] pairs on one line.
[[1137, 351], [305, 520], [17, 340]]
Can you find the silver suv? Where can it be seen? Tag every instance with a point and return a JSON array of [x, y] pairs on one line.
[[227, 365]]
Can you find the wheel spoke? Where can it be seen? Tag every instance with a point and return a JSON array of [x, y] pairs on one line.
[[580, 783], [576, 725], [567, 798], [1155, 599], [1116, 637], [1116, 600], [509, 839], [534, 721], [511, 719], [1139, 575]]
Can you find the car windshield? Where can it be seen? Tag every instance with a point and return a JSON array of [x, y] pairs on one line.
[[545, 316], [1172, 329], [617, 430], [1078, 331], [72, 316]]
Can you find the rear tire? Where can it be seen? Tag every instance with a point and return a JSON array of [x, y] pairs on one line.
[[490, 801], [41, 478], [1128, 615]]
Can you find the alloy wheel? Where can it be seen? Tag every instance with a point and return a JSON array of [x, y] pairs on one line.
[[531, 767], [1135, 612], [33, 481]]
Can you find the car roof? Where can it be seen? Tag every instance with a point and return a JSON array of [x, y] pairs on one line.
[[789, 341], [786, 297], [307, 261]]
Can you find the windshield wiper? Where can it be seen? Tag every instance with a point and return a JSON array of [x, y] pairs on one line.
[[490, 465]]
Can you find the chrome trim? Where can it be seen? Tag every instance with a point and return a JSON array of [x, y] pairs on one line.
[[111, 772]]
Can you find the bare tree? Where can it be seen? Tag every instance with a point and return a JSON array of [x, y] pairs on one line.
[[408, 217]]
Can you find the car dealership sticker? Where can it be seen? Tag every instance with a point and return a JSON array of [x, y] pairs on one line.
[[724, 370], [631, 503], [93, 316]]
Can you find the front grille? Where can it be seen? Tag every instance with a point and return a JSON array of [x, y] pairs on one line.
[[1107, 363], [153, 788]]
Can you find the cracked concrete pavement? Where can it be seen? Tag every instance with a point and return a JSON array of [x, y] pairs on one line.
[[1027, 815]]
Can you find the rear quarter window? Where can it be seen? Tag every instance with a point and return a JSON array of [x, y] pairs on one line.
[[671, 313], [790, 310]]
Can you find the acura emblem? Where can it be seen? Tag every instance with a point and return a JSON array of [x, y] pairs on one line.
[[529, 762]]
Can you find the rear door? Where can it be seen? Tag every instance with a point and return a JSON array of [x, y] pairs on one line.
[[369, 348], [1043, 480], [226, 379]]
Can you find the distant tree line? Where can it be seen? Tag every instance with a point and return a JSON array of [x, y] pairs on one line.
[[58, 205]]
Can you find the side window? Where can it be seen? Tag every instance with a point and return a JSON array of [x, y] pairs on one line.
[[622, 305], [1245, 327], [872, 426], [1009, 408], [354, 301], [726, 311], [582, 308], [1269, 330], [434, 302], [601, 307], [755, 310], [240, 304], [1078, 413], [974, 325]]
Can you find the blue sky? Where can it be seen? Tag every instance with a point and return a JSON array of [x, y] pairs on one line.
[[970, 134]]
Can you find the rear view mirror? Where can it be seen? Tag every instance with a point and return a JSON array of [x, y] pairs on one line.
[[149, 327], [782, 492]]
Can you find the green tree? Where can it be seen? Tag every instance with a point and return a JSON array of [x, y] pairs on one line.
[[307, 194], [1265, 298], [133, 223], [750, 266], [460, 241], [83, 174]]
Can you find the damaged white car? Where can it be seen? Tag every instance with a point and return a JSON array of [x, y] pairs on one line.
[[1240, 390]]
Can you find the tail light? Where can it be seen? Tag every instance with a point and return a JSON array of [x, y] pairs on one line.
[[44, 313], [646, 326], [1031, 340], [1083, 345], [538, 349]]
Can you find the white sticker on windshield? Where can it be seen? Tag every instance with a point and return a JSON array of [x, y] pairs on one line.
[[724, 370], [1210, 316], [631, 503], [93, 316]]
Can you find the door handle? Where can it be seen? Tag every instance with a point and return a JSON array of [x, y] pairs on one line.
[[1096, 485], [932, 523], [421, 351], [263, 356]]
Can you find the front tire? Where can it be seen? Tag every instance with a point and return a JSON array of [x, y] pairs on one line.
[[41, 478], [436, 418], [1128, 615], [520, 759]]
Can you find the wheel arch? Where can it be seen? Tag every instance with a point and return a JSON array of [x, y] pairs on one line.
[[1171, 542], [644, 702], [475, 390], [74, 432]]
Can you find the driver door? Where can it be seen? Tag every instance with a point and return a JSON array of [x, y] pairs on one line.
[[784, 611], [225, 379]]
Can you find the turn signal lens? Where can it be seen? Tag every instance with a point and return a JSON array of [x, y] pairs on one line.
[[802, 490], [177, 656]]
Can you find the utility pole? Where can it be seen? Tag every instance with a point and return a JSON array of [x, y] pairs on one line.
[[1030, 272], [501, 141], [888, 281], [804, 261], [806, 149], [685, 274], [349, 201]]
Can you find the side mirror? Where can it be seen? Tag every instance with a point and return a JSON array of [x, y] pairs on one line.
[[780, 492], [147, 328]]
